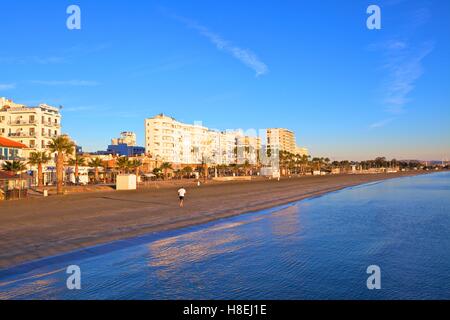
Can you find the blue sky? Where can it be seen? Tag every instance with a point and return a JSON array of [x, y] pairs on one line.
[[310, 66]]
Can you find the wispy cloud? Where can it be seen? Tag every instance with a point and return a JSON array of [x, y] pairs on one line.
[[73, 83], [7, 86], [403, 59], [404, 66], [246, 56], [381, 124]]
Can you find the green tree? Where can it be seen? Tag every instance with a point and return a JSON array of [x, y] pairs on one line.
[[187, 171], [77, 161], [96, 163], [39, 159], [136, 165], [165, 167], [123, 163], [62, 146], [157, 172], [14, 166]]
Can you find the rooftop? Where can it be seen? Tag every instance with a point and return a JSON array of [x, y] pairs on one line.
[[7, 143]]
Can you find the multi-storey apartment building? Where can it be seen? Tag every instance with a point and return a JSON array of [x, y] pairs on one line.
[[176, 142], [248, 149], [281, 139], [126, 137], [302, 151], [170, 140], [32, 126]]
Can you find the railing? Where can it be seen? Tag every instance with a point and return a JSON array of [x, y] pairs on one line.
[[23, 135], [46, 135], [33, 122], [22, 122], [51, 124]]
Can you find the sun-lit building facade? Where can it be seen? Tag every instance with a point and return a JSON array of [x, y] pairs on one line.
[[176, 142], [170, 140], [32, 126]]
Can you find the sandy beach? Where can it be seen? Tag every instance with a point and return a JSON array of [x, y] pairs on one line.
[[40, 227]]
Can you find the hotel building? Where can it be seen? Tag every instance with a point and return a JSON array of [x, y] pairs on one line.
[[32, 126], [283, 140], [126, 137], [248, 149], [126, 145], [167, 139]]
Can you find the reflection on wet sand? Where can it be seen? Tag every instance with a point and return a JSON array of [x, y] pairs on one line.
[[194, 246], [286, 222], [10, 290], [172, 253]]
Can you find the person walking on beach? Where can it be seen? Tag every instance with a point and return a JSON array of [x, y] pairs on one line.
[[181, 194]]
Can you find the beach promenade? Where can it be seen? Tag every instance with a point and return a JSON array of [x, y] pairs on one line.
[[41, 227]]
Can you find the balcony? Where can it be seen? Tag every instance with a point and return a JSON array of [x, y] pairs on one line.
[[51, 124], [22, 135], [23, 123], [49, 135]]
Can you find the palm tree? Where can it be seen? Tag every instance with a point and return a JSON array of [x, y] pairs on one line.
[[77, 162], [39, 159], [61, 146], [221, 168], [246, 166], [235, 168], [187, 171], [318, 162], [123, 163], [157, 172], [304, 162], [96, 163], [14, 166], [136, 165], [165, 167]]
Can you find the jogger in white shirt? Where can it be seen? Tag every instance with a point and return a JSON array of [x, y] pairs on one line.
[[181, 193]]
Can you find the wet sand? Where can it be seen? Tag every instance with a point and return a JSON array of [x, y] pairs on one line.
[[41, 227]]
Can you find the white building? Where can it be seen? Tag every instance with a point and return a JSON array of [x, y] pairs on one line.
[[302, 151], [284, 140], [167, 139], [31, 126], [172, 141], [126, 137], [248, 149]]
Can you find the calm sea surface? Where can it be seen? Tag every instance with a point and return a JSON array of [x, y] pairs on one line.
[[314, 249]]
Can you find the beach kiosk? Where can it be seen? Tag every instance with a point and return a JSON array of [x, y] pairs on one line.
[[126, 182]]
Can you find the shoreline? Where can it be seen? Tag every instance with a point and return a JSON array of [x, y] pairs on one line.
[[37, 229]]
